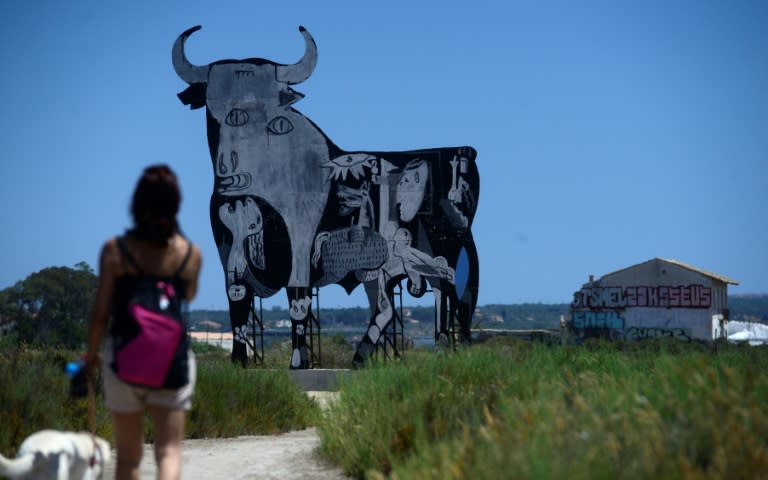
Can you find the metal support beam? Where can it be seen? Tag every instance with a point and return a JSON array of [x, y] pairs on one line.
[[315, 354], [256, 327]]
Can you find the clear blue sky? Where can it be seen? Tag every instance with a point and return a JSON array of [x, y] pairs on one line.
[[608, 133]]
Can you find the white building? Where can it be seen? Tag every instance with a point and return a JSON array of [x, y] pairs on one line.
[[656, 298]]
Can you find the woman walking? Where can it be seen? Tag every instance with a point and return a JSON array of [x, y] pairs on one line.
[[152, 248]]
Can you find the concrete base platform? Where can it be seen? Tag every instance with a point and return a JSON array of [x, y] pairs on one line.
[[318, 380]]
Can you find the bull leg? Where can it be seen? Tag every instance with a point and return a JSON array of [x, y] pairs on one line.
[[467, 296], [372, 292], [300, 310], [466, 308], [442, 313], [382, 315], [239, 297], [366, 347], [452, 313]]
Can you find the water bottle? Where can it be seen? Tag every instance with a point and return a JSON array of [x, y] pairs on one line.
[[78, 378], [71, 368]]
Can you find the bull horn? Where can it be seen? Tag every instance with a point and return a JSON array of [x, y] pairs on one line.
[[184, 69], [297, 73]]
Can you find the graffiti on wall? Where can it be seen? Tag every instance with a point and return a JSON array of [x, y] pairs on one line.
[[292, 210], [682, 296], [603, 310], [604, 319], [636, 333]]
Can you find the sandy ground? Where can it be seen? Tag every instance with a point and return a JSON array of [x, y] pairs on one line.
[[287, 456]]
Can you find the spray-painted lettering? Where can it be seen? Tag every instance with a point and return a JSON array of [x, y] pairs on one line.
[[587, 319], [682, 296], [636, 333]]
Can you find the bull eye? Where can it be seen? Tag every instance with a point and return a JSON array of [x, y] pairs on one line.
[[280, 126], [236, 117], [252, 226]]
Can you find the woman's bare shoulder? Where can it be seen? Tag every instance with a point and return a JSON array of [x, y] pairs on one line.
[[195, 257], [110, 261]]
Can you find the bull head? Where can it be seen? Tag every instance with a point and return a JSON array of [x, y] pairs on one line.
[[290, 74]]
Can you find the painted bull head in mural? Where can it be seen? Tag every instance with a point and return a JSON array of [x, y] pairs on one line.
[[291, 209]]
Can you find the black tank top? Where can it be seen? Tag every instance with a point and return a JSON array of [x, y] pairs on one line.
[[125, 285]]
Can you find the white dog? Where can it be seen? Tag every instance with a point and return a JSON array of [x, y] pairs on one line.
[[55, 455]]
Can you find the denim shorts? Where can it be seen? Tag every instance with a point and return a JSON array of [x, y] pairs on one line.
[[121, 397]]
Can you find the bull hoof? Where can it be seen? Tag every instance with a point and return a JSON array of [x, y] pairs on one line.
[[357, 361], [299, 359], [363, 353]]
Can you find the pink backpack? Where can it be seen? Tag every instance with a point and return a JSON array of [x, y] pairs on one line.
[[149, 331]]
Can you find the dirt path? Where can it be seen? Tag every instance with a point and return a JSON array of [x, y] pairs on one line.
[[288, 456]]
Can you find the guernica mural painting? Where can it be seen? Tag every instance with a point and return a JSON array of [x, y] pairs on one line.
[[290, 209], [656, 298]]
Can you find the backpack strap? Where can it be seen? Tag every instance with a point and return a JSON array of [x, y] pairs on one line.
[[127, 254], [178, 271]]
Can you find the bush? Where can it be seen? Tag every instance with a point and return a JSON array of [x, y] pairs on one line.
[[334, 351], [34, 395], [229, 401]]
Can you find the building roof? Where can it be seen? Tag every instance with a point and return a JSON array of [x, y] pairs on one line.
[[721, 278]]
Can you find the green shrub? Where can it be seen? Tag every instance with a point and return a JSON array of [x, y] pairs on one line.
[[34, 395], [229, 401], [334, 352]]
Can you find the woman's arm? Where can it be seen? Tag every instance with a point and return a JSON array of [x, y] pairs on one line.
[[192, 272], [109, 263]]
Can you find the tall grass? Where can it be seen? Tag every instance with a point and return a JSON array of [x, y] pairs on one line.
[[228, 401], [333, 352], [231, 401], [34, 395], [522, 410]]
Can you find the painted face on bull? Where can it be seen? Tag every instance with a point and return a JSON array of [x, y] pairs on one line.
[[260, 146], [244, 221], [411, 188], [264, 147]]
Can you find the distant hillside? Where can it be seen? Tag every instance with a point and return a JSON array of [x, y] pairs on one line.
[[749, 307], [528, 315], [745, 308]]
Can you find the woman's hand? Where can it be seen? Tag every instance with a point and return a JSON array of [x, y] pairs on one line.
[[92, 364]]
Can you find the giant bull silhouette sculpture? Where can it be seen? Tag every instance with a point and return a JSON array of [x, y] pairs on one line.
[[291, 209]]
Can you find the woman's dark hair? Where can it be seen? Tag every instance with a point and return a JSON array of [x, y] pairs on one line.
[[155, 204]]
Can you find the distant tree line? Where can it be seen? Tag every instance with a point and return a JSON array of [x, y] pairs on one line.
[[749, 308], [528, 315], [51, 307], [503, 316]]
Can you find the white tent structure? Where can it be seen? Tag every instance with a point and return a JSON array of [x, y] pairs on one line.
[[754, 333]]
